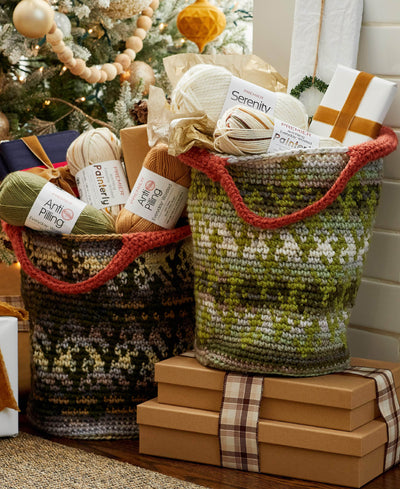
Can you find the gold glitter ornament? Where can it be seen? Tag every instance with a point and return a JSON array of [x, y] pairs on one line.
[[124, 9], [139, 70], [33, 18], [201, 23]]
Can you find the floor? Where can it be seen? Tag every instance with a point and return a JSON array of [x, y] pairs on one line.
[[205, 475]]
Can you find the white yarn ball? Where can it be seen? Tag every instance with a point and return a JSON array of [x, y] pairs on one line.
[[91, 147], [203, 88]]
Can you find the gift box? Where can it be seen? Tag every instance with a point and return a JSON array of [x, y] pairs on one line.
[[8, 376], [17, 156], [336, 401], [285, 449], [353, 107], [134, 145]]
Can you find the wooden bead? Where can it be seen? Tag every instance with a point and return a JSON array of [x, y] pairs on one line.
[[56, 37], [118, 67], [134, 43], [53, 29], [124, 60], [66, 55], [140, 33], [59, 47], [144, 22], [79, 67], [131, 53], [155, 4], [70, 64], [148, 11], [103, 76], [85, 73], [110, 70], [94, 76]]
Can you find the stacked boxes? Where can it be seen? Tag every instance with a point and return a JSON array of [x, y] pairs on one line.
[[329, 427]]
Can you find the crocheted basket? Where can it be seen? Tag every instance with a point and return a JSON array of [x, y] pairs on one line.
[[279, 243], [103, 310]]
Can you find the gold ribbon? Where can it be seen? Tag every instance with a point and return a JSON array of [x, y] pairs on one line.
[[59, 176], [7, 399], [346, 120]]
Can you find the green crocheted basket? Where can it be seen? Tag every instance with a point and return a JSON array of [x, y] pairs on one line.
[[102, 311], [279, 243]]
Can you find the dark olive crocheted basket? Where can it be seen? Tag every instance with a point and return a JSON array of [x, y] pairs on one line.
[[103, 310], [279, 243]]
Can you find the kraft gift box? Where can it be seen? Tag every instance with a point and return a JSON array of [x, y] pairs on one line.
[[353, 107], [134, 145], [285, 449], [9, 350], [17, 156], [336, 401]]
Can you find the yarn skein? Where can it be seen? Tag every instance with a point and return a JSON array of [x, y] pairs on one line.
[[91, 147], [203, 88], [243, 130], [18, 192], [159, 161]]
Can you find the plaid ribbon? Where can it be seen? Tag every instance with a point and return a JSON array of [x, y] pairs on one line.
[[388, 406], [238, 421]]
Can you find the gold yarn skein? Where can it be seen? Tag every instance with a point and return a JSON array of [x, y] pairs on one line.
[[91, 147], [18, 192], [159, 161]]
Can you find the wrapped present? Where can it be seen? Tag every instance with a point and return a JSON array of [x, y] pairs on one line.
[[17, 155], [284, 449], [336, 401], [8, 375], [134, 144], [353, 107]]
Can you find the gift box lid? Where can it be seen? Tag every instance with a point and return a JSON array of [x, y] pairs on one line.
[[355, 443], [17, 156], [337, 401]]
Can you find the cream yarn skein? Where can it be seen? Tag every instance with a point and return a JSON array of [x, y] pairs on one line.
[[91, 147], [243, 130], [203, 88]]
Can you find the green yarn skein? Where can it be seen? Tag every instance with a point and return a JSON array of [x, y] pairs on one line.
[[18, 192]]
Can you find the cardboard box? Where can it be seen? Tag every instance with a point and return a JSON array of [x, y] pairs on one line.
[[134, 144], [285, 449], [336, 401], [9, 350]]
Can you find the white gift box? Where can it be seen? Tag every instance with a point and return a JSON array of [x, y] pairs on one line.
[[9, 350], [353, 107]]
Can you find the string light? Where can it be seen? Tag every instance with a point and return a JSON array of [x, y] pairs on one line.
[[80, 99], [41, 69], [63, 70], [47, 102], [90, 31], [162, 26]]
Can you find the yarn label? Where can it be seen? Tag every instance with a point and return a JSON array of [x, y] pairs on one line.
[[103, 184], [242, 92], [157, 199], [54, 210], [286, 137]]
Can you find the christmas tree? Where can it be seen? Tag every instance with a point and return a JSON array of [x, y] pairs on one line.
[[39, 94]]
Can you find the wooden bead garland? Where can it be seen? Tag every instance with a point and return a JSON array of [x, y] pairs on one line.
[[108, 71]]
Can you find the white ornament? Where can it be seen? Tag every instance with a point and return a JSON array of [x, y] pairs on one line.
[[63, 23]]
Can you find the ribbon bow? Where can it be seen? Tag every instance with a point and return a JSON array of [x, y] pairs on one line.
[[59, 176]]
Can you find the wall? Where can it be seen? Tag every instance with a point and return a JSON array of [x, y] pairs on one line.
[[374, 330]]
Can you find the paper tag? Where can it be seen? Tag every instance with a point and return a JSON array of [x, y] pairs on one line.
[[103, 184], [157, 199], [54, 210], [285, 137], [242, 92]]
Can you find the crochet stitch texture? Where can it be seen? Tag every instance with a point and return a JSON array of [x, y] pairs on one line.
[[93, 353], [278, 300]]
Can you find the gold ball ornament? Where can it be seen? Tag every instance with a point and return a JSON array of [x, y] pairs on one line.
[[4, 127], [33, 18], [139, 70], [201, 23]]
